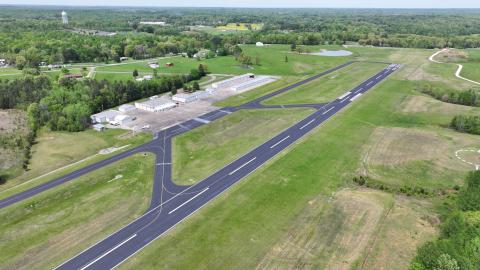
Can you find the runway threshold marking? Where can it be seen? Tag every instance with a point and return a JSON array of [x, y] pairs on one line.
[[279, 142], [164, 163], [311, 121], [244, 164], [325, 112], [201, 120], [189, 200], [110, 251], [355, 97], [344, 95]]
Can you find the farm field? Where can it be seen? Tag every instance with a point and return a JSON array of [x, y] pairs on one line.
[[200, 152], [328, 88], [240, 26], [46, 230]]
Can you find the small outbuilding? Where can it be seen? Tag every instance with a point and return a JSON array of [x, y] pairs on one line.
[[169, 64], [99, 127], [259, 44]]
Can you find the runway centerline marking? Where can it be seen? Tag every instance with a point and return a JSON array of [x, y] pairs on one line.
[[370, 83], [311, 121], [227, 112], [164, 163], [110, 251], [201, 120], [189, 200], [244, 164], [328, 110], [279, 142]]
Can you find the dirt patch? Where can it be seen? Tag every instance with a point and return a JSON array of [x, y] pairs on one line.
[[394, 146], [363, 229], [11, 120], [397, 146], [452, 56]]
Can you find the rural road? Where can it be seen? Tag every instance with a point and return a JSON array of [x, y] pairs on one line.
[[171, 203], [459, 67]]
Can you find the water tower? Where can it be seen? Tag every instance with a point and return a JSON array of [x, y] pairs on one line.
[[64, 17]]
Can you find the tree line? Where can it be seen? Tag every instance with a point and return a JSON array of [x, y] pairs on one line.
[[469, 97], [68, 103], [458, 246]]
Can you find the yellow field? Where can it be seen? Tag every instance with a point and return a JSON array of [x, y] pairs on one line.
[[241, 26]]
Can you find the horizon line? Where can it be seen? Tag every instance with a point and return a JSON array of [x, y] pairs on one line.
[[247, 7]]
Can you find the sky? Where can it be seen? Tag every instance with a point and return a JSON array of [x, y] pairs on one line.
[[261, 3]]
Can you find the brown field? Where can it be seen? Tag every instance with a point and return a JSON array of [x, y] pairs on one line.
[[349, 230], [452, 55], [408, 156]]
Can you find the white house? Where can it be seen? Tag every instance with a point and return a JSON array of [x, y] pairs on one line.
[[154, 65], [126, 108], [104, 117], [259, 44], [155, 105], [3, 62], [123, 58]]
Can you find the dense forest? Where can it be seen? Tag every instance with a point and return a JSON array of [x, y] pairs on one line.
[[32, 35]]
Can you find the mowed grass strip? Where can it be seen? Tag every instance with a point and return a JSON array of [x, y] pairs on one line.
[[44, 231], [329, 87], [202, 151], [240, 227], [54, 150]]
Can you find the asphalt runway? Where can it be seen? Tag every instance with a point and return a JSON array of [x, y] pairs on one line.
[[170, 203]]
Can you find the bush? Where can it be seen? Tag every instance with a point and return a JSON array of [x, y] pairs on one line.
[[467, 124], [469, 195]]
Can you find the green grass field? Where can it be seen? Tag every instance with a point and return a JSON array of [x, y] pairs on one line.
[[54, 150], [329, 87], [44, 231], [320, 164], [272, 62], [393, 134], [471, 71], [202, 151]]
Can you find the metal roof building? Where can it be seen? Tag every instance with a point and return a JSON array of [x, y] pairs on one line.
[[155, 105]]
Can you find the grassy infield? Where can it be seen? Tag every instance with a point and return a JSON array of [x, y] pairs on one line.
[[317, 166]]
